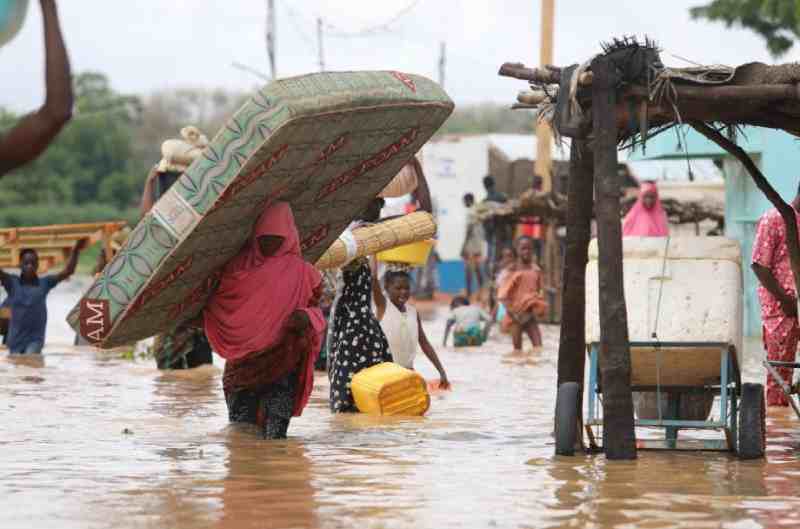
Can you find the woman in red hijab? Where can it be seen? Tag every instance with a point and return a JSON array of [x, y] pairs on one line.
[[264, 319], [647, 217]]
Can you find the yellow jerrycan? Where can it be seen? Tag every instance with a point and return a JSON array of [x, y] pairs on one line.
[[389, 389]]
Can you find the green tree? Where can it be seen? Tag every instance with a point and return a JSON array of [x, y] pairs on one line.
[[487, 118], [775, 20], [94, 146]]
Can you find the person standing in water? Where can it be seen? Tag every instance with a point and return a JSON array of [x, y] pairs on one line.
[[777, 294], [493, 229], [472, 249], [401, 323], [26, 140], [27, 299], [647, 217], [184, 347], [522, 294], [356, 338], [264, 319]]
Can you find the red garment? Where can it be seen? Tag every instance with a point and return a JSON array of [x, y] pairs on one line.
[[781, 345], [643, 222], [781, 333], [530, 227], [294, 353], [248, 312]]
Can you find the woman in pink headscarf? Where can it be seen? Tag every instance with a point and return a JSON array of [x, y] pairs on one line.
[[647, 217], [264, 319]]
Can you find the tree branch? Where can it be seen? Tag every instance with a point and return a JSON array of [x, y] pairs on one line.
[[786, 210]]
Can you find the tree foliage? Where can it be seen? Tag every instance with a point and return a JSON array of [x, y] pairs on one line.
[[775, 20], [488, 118], [96, 167]]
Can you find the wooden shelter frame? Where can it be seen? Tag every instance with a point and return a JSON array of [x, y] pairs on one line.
[[619, 110]]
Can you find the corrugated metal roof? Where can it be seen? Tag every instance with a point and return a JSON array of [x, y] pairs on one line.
[[675, 170]]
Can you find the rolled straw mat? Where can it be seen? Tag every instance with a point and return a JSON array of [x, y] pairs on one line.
[[417, 226]]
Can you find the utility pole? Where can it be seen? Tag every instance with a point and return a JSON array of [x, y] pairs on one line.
[[271, 37], [320, 49], [544, 165], [544, 136], [442, 62]]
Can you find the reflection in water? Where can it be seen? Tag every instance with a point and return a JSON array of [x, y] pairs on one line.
[[91, 440], [266, 482], [184, 392], [30, 360]]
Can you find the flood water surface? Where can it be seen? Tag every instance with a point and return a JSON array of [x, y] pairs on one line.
[[91, 440]]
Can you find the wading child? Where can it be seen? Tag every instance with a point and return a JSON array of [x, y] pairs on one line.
[[467, 320], [27, 298], [522, 294], [508, 259], [400, 322]]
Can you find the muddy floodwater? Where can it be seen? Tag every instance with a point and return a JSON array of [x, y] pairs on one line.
[[91, 440]]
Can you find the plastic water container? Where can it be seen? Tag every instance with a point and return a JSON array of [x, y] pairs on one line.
[[389, 389], [415, 253]]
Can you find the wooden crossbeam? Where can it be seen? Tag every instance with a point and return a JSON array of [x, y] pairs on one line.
[[53, 243]]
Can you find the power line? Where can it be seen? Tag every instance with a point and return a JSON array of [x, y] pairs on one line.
[[384, 27], [294, 19], [248, 69]]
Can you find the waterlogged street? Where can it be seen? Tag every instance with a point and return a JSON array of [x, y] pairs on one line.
[[92, 440]]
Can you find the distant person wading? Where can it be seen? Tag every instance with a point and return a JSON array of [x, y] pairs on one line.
[[27, 299], [185, 346]]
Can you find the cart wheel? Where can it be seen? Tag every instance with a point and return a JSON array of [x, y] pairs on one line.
[[752, 422], [566, 418]]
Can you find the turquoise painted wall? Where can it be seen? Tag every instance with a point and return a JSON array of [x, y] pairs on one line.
[[777, 154]]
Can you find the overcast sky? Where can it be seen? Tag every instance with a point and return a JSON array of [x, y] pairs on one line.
[[148, 45]]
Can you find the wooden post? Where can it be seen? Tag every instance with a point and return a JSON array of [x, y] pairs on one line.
[[572, 345], [544, 164], [619, 437], [544, 136]]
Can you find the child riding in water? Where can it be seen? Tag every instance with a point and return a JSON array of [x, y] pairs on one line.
[[467, 321], [521, 292], [400, 322]]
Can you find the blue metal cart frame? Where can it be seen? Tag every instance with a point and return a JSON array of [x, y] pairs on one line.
[[728, 388]]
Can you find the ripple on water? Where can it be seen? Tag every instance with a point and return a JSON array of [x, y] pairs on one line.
[[482, 457]]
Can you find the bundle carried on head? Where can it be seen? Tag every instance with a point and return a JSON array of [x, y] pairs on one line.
[[374, 238], [178, 155]]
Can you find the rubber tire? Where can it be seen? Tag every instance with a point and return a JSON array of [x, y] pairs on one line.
[[567, 418], [752, 422]]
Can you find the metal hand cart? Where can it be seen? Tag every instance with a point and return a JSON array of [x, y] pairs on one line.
[[684, 360]]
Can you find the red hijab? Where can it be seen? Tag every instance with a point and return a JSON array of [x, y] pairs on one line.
[[643, 222], [257, 294]]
